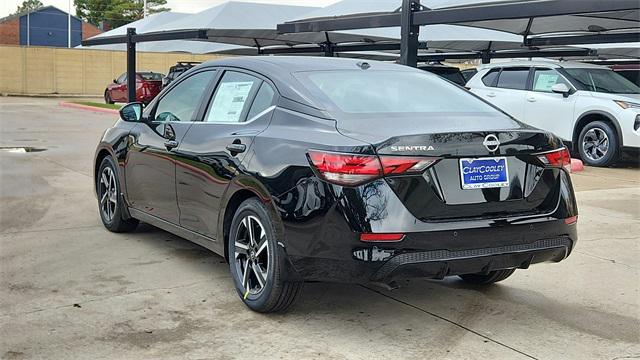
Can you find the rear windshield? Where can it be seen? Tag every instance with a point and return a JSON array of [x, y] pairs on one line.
[[603, 80], [371, 92], [151, 76]]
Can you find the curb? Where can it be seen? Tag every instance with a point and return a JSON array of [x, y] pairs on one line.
[[87, 108]]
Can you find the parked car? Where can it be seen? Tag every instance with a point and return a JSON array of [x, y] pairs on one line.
[[594, 110], [630, 71], [451, 73], [178, 69], [148, 85], [328, 169]]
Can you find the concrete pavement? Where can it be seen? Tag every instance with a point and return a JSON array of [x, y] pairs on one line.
[[70, 289]]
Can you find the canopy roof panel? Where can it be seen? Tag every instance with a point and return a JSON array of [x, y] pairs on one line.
[[592, 23]]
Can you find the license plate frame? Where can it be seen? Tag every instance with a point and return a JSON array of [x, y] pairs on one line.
[[477, 178]]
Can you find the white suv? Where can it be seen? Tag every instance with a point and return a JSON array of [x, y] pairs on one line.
[[593, 109]]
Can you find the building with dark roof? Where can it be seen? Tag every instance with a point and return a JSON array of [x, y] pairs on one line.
[[47, 26]]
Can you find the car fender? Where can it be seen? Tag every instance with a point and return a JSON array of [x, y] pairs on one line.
[[242, 183], [601, 112]]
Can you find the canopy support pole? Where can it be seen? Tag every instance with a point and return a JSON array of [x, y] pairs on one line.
[[131, 65], [409, 33]]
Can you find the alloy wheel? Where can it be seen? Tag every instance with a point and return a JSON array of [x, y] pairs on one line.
[[252, 255], [595, 144], [108, 194]]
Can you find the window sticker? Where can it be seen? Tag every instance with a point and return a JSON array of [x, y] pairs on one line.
[[229, 101], [544, 82]]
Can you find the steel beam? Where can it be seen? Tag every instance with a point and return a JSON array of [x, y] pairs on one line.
[[409, 33], [348, 22], [131, 65], [336, 48], [583, 39], [507, 54]]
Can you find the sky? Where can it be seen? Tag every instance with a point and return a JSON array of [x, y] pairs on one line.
[[187, 6]]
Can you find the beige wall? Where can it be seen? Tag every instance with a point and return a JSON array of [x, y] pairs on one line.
[[43, 70]]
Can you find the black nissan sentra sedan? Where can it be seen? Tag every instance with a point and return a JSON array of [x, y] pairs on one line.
[[322, 169]]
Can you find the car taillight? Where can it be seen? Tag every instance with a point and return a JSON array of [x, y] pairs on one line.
[[381, 237], [355, 169], [557, 158], [346, 169], [402, 164]]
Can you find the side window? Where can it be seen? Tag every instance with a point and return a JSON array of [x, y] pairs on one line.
[[513, 78], [544, 79], [230, 101], [263, 99], [182, 102], [122, 79], [490, 78]]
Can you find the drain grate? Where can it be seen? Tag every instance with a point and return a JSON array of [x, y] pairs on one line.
[[20, 149]]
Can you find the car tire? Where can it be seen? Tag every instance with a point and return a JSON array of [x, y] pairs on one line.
[[598, 144], [486, 279], [251, 252], [107, 98], [110, 204]]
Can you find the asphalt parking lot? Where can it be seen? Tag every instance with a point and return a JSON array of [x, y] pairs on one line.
[[71, 289]]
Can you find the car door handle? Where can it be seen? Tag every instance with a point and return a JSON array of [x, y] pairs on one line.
[[491, 95], [236, 148], [531, 99], [171, 144]]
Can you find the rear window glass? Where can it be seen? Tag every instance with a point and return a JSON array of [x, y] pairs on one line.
[[490, 78], [370, 92], [151, 76], [513, 78]]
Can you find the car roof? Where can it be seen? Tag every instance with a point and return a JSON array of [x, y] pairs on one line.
[[547, 63], [291, 64]]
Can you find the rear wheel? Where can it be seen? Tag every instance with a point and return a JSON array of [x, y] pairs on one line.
[[107, 98], [256, 262], [109, 199], [490, 278], [598, 144]]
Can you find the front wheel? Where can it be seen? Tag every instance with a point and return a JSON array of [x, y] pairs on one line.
[[598, 144], [109, 200], [486, 279], [256, 262]]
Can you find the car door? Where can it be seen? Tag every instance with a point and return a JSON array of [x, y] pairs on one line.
[[212, 152], [119, 90], [510, 90], [547, 110], [150, 163]]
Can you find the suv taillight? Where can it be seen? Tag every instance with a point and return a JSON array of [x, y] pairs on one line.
[[557, 158], [355, 169]]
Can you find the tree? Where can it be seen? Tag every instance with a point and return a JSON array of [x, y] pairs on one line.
[[29, 5], [116, 12]]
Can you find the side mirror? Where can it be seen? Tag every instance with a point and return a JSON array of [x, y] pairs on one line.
[[561, 89], [115, 81], [131, 112]]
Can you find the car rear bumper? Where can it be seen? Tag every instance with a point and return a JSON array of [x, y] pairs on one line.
[[442, 253]]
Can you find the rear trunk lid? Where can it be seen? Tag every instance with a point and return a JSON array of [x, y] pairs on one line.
[[480, 173]]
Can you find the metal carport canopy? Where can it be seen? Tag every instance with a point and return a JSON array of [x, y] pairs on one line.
[[570, 22]]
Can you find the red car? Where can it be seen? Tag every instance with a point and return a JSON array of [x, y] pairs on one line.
[[148, 85]]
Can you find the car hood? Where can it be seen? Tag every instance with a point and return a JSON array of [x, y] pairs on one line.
[[624, 97]]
